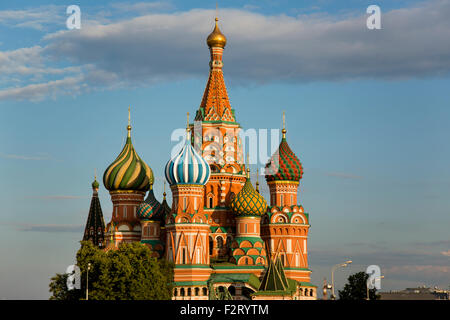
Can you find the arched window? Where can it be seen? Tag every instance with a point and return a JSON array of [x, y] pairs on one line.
[[182, 292], [211, 246], [311, 293], [219, 242], [205, 291], [189, 291], [210, 202], [196, 291], [175, 292]]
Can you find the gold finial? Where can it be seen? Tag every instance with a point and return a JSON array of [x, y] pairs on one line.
[[129, 121], [216, 38], [257, 182], [248, 166], [187, 124], [164, 193], [284, 126], [95, 173]]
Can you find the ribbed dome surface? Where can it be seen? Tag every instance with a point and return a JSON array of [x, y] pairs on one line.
[[188, 167], [128, 171]]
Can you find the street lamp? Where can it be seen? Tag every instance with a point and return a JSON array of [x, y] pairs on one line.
[[87, 281], [367, 285], [339, 265]]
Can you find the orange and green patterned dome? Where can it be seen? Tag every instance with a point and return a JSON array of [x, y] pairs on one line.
[[150, 209], [248, 202], [128, 171], [284, 164]]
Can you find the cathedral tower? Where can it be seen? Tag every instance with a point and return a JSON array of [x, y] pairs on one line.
[[95, 225], [248, 247], [187, 228], [216, 137], [152, 215], [128, 178], [285, 226]]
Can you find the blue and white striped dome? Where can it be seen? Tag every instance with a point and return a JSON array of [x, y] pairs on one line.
[[188, 167]]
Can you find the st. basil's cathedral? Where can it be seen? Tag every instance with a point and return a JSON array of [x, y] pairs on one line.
[[223, 238]]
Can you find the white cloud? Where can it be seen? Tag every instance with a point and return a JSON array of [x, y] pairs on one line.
[[267, 48], [159, 47], [22, 157], [446, 253], [36, 18], [41, 91]]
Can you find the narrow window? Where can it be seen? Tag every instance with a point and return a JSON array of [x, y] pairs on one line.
[[210, 202], [219, 242], [184, 203], [281, 200], [125, 212], [183, 261]]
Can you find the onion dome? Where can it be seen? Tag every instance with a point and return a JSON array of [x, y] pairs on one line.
[[165, 209], [128, 171], [248, 202], [188, 167], [95, 184], [150, 209], [284, 164], [216, 38]]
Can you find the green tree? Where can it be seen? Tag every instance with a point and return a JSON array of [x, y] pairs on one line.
[[128, 273], [58, 286], [356, 288]]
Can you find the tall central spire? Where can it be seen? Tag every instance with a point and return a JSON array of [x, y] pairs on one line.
[[215, 105]]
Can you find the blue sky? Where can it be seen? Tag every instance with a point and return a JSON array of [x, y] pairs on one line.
[[367, 114]]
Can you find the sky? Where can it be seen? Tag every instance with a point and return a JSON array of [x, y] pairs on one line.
[[367, 113]]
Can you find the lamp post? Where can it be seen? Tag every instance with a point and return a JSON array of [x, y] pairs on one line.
[[367, 285], [87, 281], [339, 265]]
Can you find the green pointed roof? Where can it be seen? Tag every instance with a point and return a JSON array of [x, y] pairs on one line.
[[274, 279], [95, 224]]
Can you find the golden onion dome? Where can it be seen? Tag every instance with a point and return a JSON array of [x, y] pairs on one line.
[[216, 38]]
